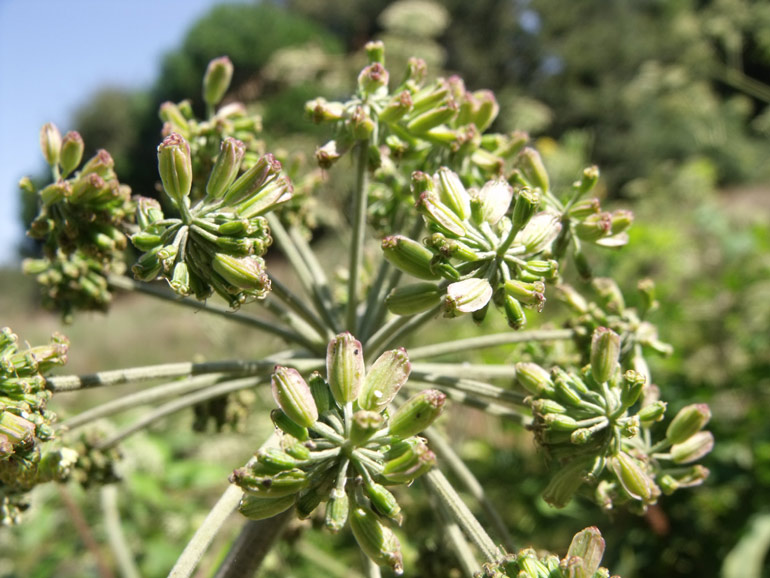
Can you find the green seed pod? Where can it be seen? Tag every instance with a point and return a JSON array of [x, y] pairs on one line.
[[491, 202], [180, 279], [217, 79], [407, 460], [225, 169], [293, 396], [565, 482], [693, 448], [308, 500], [652, 412], [540, 232], [247, 185], [621, 221], [452, 193], [172, 114], [55, 192], [247, 273], [337, 510], [430, 119], [259, 508], [16, 430], [175, 167], [364, 425], [274, 460], [560, 422], [588, 546], [690, 420], [148, 266], [409, 256], [588, 179], [526, 205], [514, 312], [594, 227], [345, 367], [384, 501], [288, 426], [321, 393], [270, 486], [376, 540], [274, 193], [530, 566], [50, 143], [71, 152], [441, 217], [397, 107], [635, 481], [531, 166], [145, 241], [320, 110], [466, 296], [296, 450], [632, 387], [529, 294], [605, 354], [417, 413], [384, 380], [412, 299]]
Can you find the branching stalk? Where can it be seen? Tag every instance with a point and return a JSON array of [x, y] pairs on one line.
[[484, 341], [359, 234], [396, 329], [298, 306], [115, 535], [464, 370]]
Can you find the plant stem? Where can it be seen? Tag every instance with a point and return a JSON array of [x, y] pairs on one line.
[[371, 570], [298, 306], [359, 234], [326, 562], [440, 486], [448, 456], [141, 398], [489, 407], [84, 531], [494, 340], [115, 535], [374, 300], [462, 370], [253, 544], [299, 325], [458, 542], [180, 404], [396, 329], [121, 282], [471, 386]]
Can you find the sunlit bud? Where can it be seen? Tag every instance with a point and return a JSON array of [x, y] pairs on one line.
[[50, 143], [55, 192], [397, 107], [71, 152], [412, 299], [254, 179], [148, 266], [531, 166], [492, 201], [534, 379], [384, 501], [530, 566], [635, 481], [452, 193], [226, 168], [439, 215], [588, 546], [175, 167], [217, 79], [466, 296], [541, 269], [364, 425], [693, 448], [274, 460], [287, 425], [565, 482], [652, 412], [585, 208], [294, 448], [409, 256], [594, 227], [320, 110], [621, 220], [514, 312], [259, 508], [690, 420], [416, 69], [101, 163], [246, 273], [148, 211], [278, 485], [375, 52], [632, 387], [376, 540], [15, 429], [361, 124], [337, 511], [485, 110], [540, 232], [417, 413], [320, 391], [384, 380], [545, 406], [180, 279], [588, 179], [372, 79], [530, 294], [293, 396], [605, 354], [345, 367], [329, 154], [560, 422], [432, 118]]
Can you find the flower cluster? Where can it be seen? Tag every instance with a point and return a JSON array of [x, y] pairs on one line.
[[81, 220], [487, 244], [25, 423], [216, 245], [582, 560], [340, 445], [584, 421]]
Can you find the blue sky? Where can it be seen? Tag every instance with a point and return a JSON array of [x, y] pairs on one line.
[[54, 54]]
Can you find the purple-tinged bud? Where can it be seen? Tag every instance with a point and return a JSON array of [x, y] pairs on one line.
[[533, 169], [452, 193], [492, 201], [330, 153], [412, 299], [250, 182], [373, 79], [485, 109], [416, 69], [246, 273], [320, 110], [55, 192], [274, 460], [71, 152], [541, 269], [50, 143], [594, 227], [621, 221], [397, 107], [585, 208], [689, 421], [274, 193], [417, 413], [288, 426], [217, 79], [375, 52], [631, 475], [530, 294], [693, 448], [364, 425], [101, 163], [293, 396], [148, 211], [376, 540], [278, 485], [337, 511], [259, 508], [175, 167], [345, 367], [361, 124], [588, 179], [409, 256], [466, 296], [605, 354], [173, 117], [384, 380], [225, 170], [540, 232]]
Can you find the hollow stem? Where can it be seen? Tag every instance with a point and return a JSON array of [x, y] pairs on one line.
[[115, 535], [484, 341], [255, 541], [359, 234]]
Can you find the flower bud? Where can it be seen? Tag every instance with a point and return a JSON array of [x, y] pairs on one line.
[[431, 118], [320, 110], [71, 152], [345, 367], [384, 501], [50, 143], [565, 482], [321, 393], [412, 299], [246, 273], [284, 483], [148, 266], [337, 511], [588, 546], [588, 179], [466, 296], [485, 109], [172, 114], [396, 108], [635, 481], [492, 202], [180, 279], [373, 79], [407, 460], [226, 168], [539, 233], [527, 203], [15, 429], [101, 163], [632, 387], [594, 227], [530, 294], [652, 412], [409, 256], [417, 413], [259, 508], [288, 426], [375, 52], [690, 420], [531, 165], [293, 396], [273, 460], [452, 193], [376, 540], [330, 153], [250, 182], [620, 220], [693, 448], [364, 425], [217, 79], [384, 380], [361, 124], [605, 354], [514, 312], [175, 167]]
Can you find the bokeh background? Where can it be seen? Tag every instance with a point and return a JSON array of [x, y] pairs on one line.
[[669, 98]]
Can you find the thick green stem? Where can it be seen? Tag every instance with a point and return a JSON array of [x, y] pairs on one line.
[[115, 535], [484, 341], [359, 234], [441, 488]]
